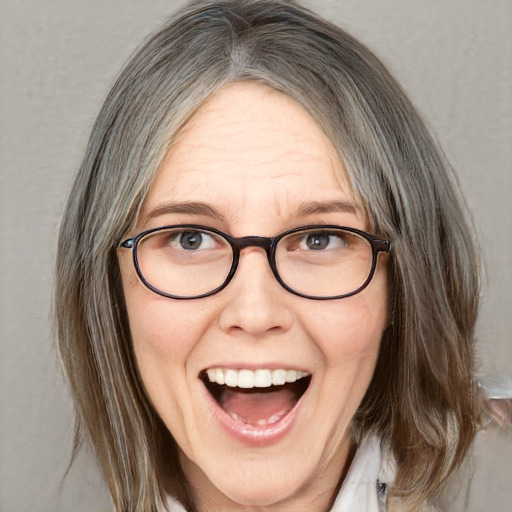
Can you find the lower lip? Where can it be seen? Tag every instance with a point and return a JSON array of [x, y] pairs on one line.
[[254, 435]]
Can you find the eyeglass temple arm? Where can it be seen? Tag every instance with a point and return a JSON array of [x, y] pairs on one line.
[[382, 245], [128, 244]]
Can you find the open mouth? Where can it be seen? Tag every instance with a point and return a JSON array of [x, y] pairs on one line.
[[256, 397]]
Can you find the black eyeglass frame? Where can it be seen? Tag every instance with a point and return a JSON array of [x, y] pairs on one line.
[[268, 244]]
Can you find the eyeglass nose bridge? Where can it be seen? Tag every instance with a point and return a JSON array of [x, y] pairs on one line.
[[266, 243], [253, 241]]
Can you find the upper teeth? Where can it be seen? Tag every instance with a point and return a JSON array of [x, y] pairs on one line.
[[247, 379]]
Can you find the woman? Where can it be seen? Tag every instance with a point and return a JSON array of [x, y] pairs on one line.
[[266, 285]]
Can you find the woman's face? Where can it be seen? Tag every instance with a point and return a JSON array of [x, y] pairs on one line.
[[253, 162]]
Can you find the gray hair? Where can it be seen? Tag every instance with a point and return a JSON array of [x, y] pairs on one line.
[[421, 401]]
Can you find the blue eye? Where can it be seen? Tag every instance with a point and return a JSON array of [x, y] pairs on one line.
[[322, 240], [193, 240], [190, 240], [317, 241]]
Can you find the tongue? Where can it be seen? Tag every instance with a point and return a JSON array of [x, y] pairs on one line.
[[258, 409]]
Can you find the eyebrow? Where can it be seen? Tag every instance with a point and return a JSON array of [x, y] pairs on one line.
[[193, 207], [338, 206], [198, 208]]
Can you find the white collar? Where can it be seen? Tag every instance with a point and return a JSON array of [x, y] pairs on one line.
[[364, 487]]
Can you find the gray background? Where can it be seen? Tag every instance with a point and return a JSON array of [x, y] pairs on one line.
[[57, 59]]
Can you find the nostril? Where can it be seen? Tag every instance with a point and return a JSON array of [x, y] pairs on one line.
[[254, 312]]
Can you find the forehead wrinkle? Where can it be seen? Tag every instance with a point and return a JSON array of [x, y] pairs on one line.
[[296, 154], [277, 205], [236, 210]]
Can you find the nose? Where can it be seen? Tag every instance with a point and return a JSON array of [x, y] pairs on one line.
[[256, 304]]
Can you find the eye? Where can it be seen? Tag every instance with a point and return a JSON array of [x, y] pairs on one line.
[[321, 240], [193, 240]]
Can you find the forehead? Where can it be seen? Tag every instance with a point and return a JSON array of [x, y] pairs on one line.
[[250, 148]]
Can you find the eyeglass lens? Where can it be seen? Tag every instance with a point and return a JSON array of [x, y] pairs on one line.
[[316, 262]]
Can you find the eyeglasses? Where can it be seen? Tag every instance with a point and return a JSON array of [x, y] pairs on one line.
[[317, 262]]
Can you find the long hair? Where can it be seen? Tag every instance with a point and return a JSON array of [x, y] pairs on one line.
[[421, 401]]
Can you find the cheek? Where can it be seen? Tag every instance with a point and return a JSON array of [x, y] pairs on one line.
[[165, 334], [348, 332], [163, 328], [163, 331]]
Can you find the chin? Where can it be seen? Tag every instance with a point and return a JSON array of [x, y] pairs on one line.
[[258, 488]]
